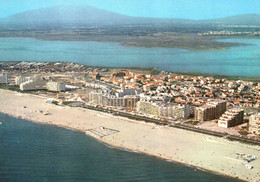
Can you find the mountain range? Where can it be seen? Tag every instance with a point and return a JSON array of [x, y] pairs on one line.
[[87, 15]]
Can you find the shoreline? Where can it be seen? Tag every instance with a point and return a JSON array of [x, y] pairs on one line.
[[212, 43], [129, 150], [161, 158], [166, 143], [155, 71]]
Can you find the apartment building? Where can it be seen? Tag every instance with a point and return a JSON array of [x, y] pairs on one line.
[[231, 118], [33, 85], [95, 98], [254, 124], [106, 99], [175, 111], [163, 110], [20, 79], [148, 108], [212, 110], [55, 87], [4, 79]]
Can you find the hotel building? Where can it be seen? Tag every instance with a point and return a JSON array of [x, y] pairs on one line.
[[163, 110], [33, 85], [254, 124], [55, 87], [4, 79], [213, 110], [20, 79], [231, 117]]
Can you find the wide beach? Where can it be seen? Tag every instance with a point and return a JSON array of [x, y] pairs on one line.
[[203, 151]]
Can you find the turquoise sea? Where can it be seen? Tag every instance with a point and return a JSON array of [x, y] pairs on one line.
[[44, 153], [239, 61]]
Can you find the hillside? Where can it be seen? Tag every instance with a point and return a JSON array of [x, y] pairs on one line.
[[247, 19], [87, 15], [66, 15]]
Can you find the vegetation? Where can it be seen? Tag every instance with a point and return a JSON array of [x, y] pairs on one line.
[[67, 103], [192, 122], [243, 132], [183, 41], [10, 87], [55, 102]]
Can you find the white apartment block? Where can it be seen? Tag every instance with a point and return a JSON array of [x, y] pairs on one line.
[[254, 124], [33, 85], [3, 79], [55, 87], [20, 79]]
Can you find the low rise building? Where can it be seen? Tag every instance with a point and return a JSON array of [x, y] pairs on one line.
[[96, 76], [97, 86], [254, 124], [4, 79], [231, 118]]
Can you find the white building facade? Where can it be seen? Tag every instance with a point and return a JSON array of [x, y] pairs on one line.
[[55, 87], [4, 79]]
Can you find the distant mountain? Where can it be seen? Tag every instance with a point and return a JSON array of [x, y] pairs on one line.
[[80, 15], [247, 19], [66, 15], [87, 15]]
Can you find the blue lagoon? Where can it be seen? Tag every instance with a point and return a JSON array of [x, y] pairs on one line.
[[235, 61]]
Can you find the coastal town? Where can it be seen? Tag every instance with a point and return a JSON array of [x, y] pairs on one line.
[[221, 105], [159, 113], [228, 33], [120, 91]]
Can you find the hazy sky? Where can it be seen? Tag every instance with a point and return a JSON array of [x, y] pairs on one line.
[[191, 9]]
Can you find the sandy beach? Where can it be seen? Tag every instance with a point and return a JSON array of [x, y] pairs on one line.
[[190, 148]]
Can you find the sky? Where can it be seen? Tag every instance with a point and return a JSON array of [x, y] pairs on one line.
[[189, 9]]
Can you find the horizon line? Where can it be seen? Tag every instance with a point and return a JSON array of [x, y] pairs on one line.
[[86, 5]]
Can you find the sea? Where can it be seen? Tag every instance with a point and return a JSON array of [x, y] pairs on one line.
[[234, 61], [36, 152]]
